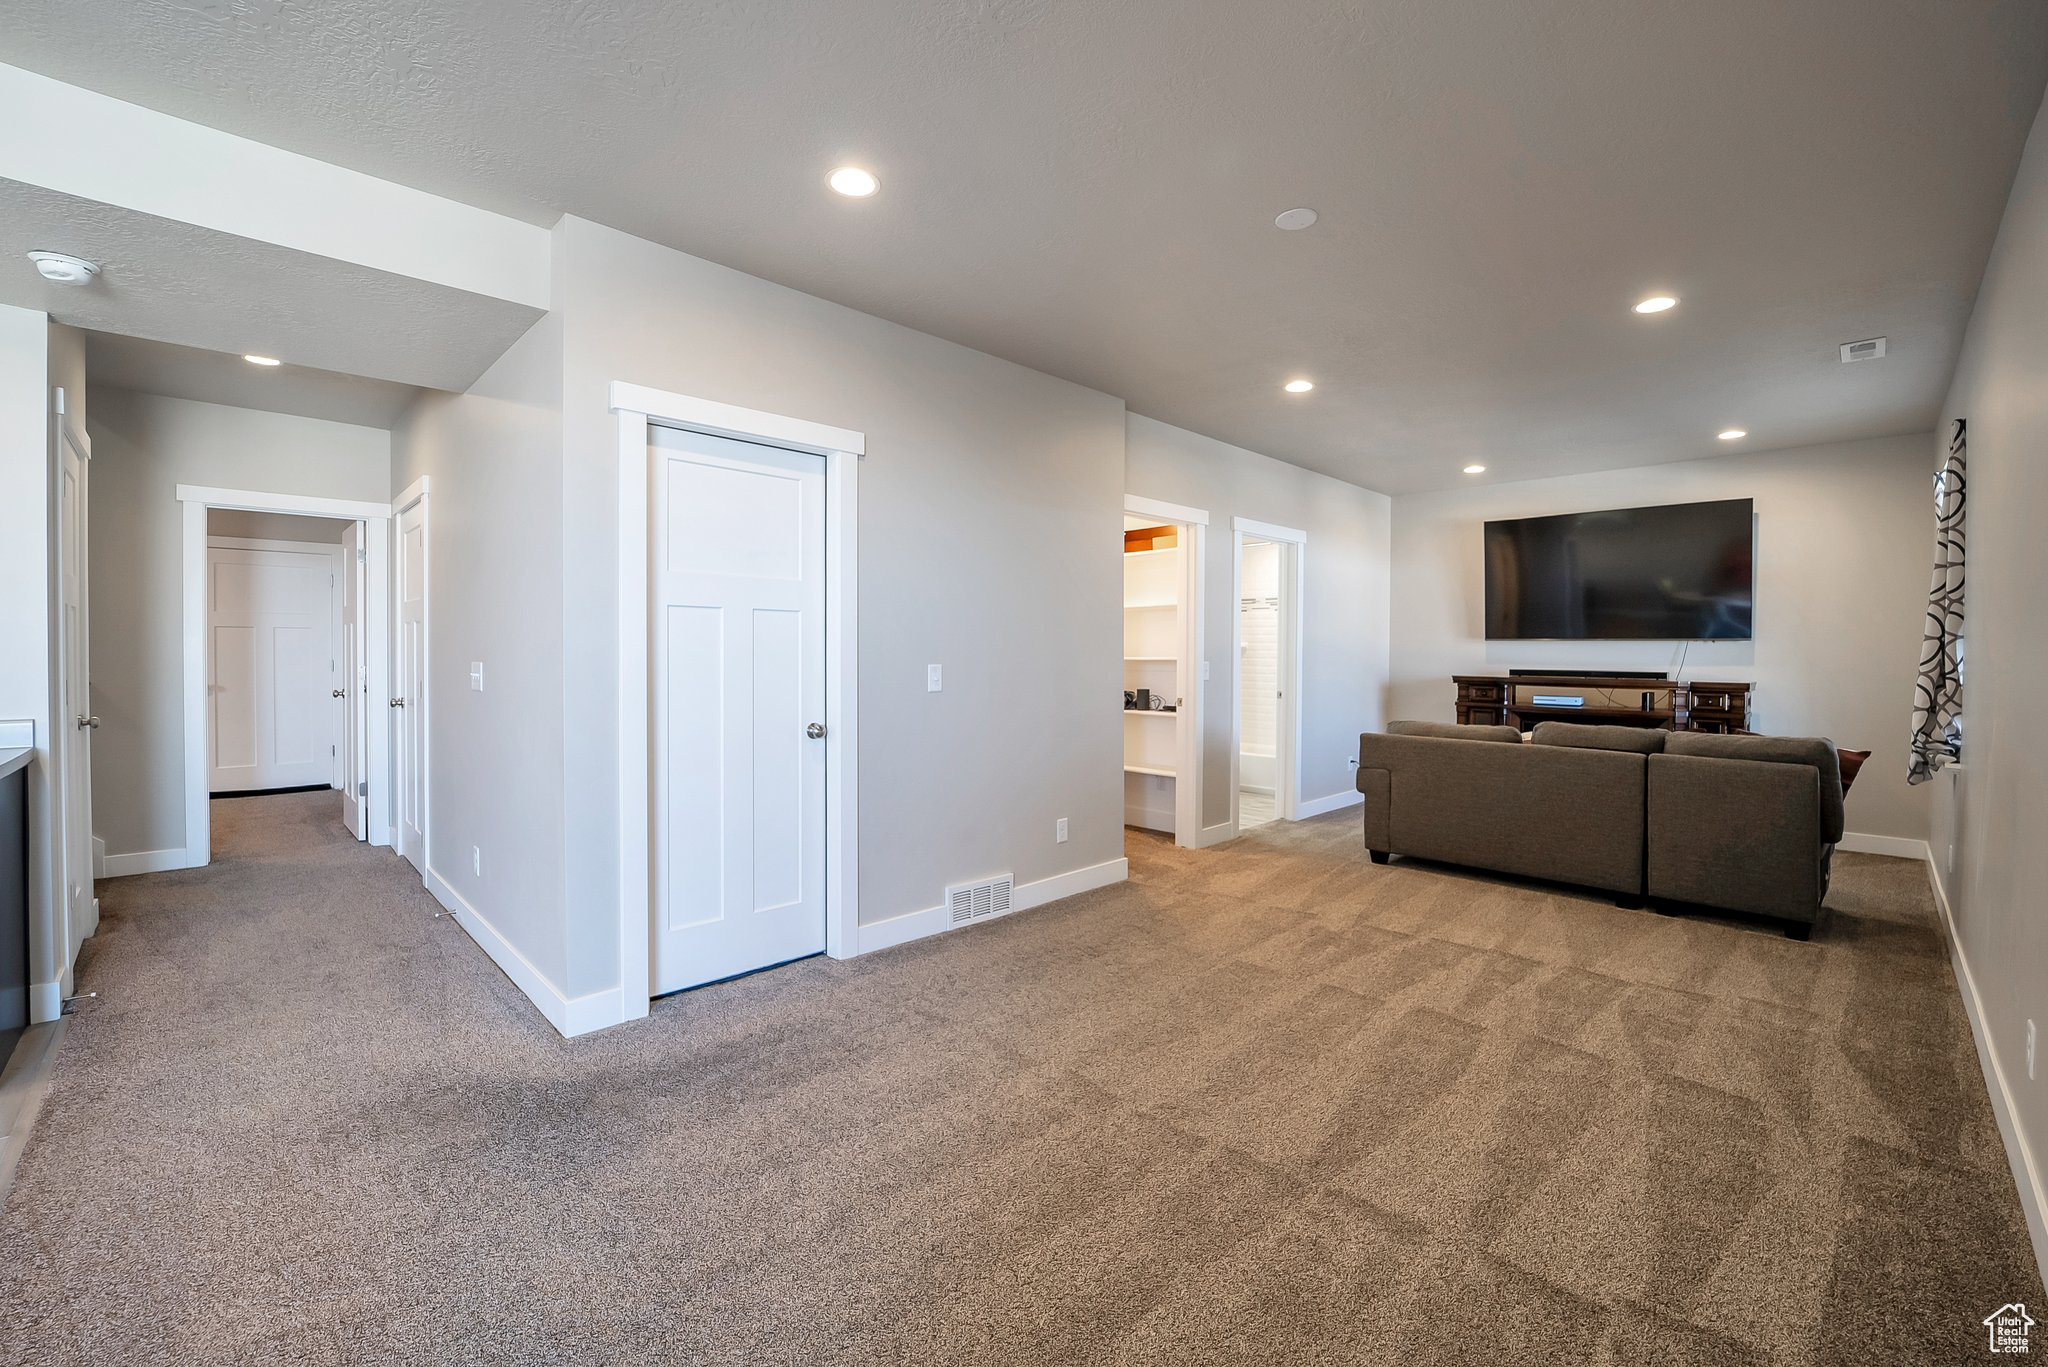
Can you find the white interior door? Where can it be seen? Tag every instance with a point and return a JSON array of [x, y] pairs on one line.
[[76, 723], [349, 684], [738, 632], [410, 726], [270, 639]]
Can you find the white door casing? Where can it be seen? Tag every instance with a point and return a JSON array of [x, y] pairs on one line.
[[738, 606], [75, 724], [272, 665], [378, 637], [409, 702], [349, 684]]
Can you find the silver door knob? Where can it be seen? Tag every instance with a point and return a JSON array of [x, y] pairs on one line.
[[341, 692], [398, 702], [816, 730], [93, 722]]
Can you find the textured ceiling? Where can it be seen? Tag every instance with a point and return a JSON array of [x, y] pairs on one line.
[[168, 281], [1089, 188], [182, 372]]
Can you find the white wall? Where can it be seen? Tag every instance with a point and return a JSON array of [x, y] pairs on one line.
[[34, 354], [2001, 388], [494, 587], [990, 502], [1344, 594], [237, 522], [1844, 540], [143, 447]]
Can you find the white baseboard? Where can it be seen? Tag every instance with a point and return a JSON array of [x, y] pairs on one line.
[[145, 861], [916, 925], [1897, 846], [45, 1002], [2027, 1177], [1216, 835], [99, 857], [571, 1016], [1335, 802]]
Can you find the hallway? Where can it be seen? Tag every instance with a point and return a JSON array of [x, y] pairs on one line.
[[1259, 1100]]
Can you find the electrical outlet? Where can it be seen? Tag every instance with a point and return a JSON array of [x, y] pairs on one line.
[[1059, 831], [2030, 1051], [476, 859], [1205, 671], [932, 679]]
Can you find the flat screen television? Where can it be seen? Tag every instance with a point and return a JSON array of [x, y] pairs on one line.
[[1678, 572]]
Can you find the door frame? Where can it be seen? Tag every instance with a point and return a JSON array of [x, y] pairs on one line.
[[1287, 717], [331, 550], [73, 733], [638, 408], [194, 500], [1187, 796], [415, 493]]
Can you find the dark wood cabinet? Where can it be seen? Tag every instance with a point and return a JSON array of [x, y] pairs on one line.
[[1608, 699]]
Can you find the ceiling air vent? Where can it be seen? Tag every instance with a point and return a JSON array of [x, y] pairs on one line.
[[1869, 350], [977, 901]]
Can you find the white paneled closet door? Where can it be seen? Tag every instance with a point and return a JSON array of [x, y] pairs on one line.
[[737, 599], [270, 639]]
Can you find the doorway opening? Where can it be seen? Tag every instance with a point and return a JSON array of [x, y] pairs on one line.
[[1266, 650], [1162, 663], [286, 637], [283, 613]]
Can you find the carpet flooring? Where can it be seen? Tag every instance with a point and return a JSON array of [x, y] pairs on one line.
[[1263, 1103]]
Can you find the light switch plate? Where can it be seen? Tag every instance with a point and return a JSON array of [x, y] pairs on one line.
[[476, 676], [931, 679]]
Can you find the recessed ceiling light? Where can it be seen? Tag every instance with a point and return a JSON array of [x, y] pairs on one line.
[[1294, 220], [1656, 303], [64, 270], [1299, 386], [1475, 469], [262, 360], [853, 182], [1733, 434]]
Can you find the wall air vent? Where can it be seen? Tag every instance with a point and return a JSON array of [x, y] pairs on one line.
[[978, 901], [1869, 350]]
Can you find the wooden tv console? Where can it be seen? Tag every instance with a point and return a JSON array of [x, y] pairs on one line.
[[1611, 700]]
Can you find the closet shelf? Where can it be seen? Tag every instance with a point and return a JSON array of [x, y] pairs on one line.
[[1147, 769], [1149, 712], [1151, 659], [1150, 607]]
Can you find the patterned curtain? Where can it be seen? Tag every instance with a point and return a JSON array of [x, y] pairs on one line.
[[1938, 692]]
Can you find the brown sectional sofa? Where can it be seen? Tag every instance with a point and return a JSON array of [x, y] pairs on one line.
[[1744, 823]]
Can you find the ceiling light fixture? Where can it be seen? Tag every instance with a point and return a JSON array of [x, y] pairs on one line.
[[1733, 434], [1299, 386], [853, 182], [61, 269], [262, 360], [1656, 303], [1475, 469], [1294, 220]]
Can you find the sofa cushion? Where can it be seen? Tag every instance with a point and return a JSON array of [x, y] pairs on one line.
[[1641, 740], [1443, 730], [1817, 751]]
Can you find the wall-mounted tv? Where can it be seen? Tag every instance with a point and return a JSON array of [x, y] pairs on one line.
[[1679, 572]]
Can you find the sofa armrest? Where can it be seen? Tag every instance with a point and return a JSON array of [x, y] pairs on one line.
[[1740, 834], [1378, 787]]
